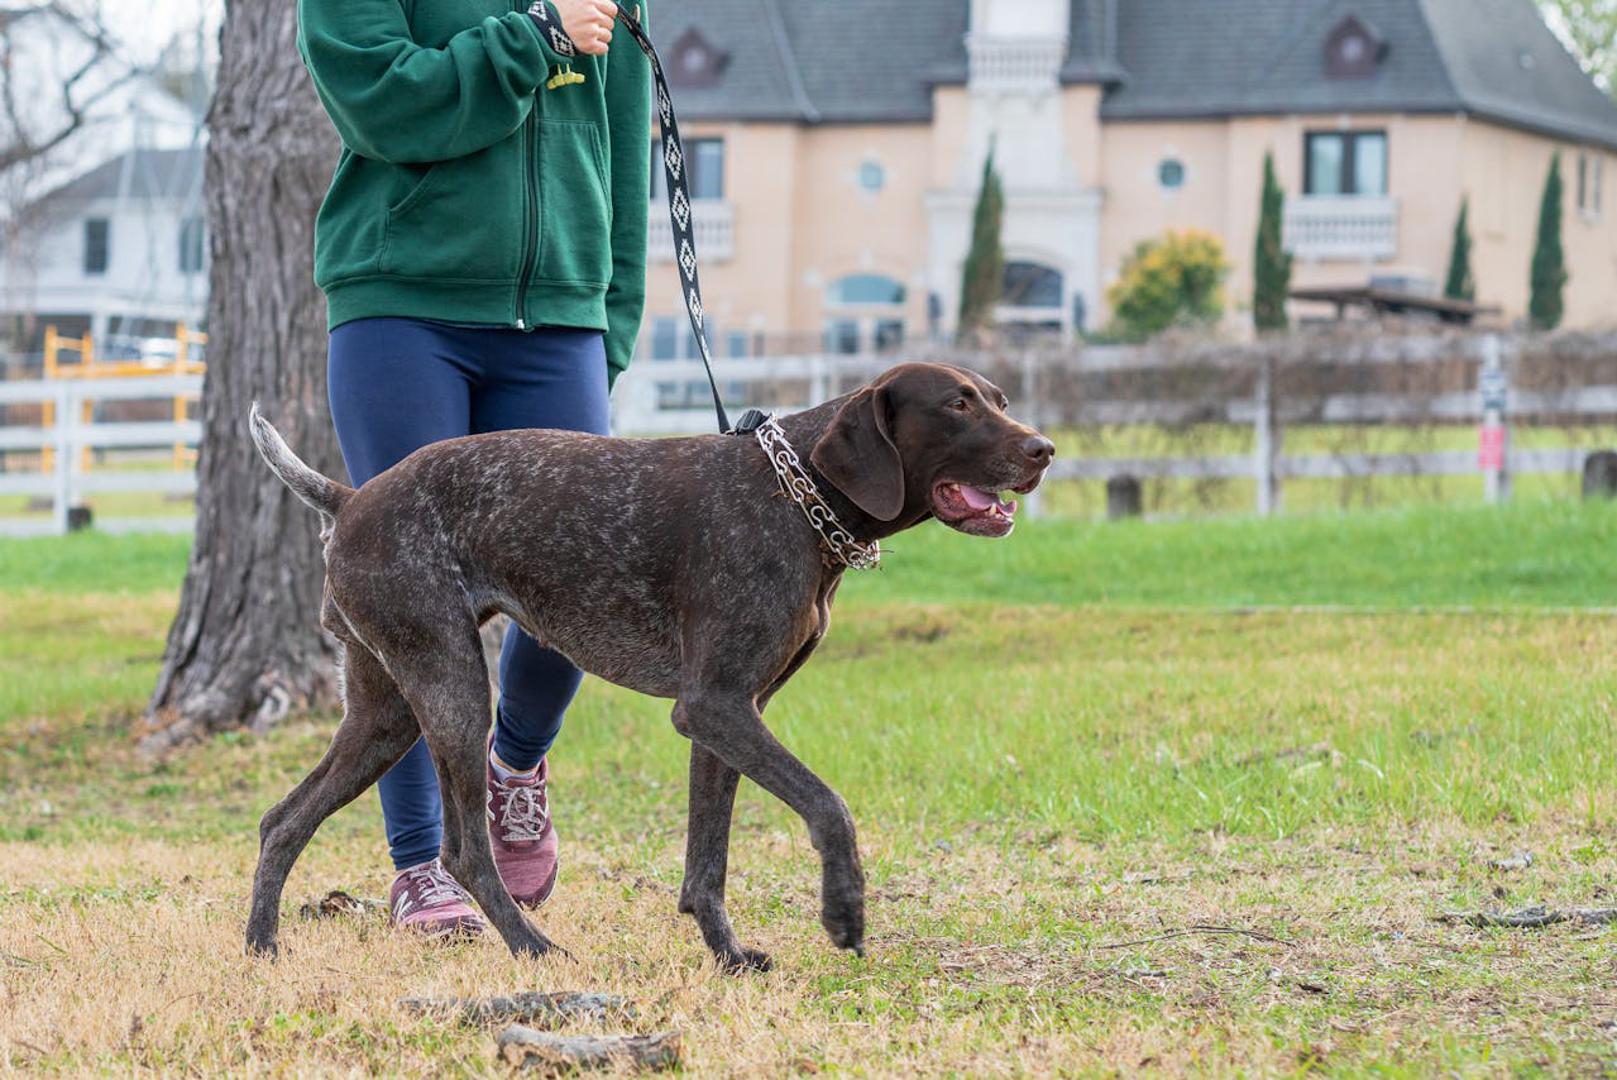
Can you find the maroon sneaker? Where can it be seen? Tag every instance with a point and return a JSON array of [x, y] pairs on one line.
[[521, 834], [426, 899]]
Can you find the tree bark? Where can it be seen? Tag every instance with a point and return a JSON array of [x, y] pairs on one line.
[[245, 647], [555, 1055]]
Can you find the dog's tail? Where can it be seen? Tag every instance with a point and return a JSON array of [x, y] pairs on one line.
[[319, 492]]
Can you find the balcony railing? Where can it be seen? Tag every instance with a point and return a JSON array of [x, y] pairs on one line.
[[1348, 227], [713, 224], [1012, 63]]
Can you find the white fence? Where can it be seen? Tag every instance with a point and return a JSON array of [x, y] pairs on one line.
[[782, 384], [640, 409], [67, 439]]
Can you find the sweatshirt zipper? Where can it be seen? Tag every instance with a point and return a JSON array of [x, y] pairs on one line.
[[530, 204]]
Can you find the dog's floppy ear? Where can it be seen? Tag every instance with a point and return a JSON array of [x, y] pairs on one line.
[[857, 455]]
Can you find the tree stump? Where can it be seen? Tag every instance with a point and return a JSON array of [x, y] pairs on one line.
[[1123, 497], [1600, 475], [246, 646]]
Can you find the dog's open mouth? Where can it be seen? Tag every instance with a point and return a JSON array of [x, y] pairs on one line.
[[974, 510]]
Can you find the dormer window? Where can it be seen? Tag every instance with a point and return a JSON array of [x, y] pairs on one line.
[[1353, 50], [694, 62]]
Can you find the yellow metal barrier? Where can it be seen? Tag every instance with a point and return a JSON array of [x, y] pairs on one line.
[[88, 368], [184, 456], [55, 343]]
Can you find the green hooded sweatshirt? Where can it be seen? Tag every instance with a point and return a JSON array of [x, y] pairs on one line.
[[467, 192]]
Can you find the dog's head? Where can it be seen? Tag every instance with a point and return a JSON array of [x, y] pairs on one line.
[[932, 439]]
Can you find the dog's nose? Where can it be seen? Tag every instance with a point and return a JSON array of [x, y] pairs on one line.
[[1039, 449]]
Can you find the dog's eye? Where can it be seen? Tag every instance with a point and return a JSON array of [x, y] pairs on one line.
[[959, 404]]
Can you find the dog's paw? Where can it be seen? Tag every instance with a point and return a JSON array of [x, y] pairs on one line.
[[262, 948], [844, 920], [741, 960], [539, 947]]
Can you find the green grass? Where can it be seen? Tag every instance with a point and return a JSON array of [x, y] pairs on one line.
[[1059, 748], [1530, 552], [94, 562], [1539, 553]]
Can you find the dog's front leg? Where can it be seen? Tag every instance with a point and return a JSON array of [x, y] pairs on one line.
[[729, 726], [707, 859]]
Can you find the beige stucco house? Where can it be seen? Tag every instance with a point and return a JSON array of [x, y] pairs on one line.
[[836, 150]]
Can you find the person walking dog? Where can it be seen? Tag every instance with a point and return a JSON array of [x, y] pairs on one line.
[[482, 250]]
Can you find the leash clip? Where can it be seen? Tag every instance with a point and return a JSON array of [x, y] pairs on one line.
[[750, 421]]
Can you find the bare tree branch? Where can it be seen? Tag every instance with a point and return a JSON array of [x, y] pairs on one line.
[[1589, 29], [20, 145]]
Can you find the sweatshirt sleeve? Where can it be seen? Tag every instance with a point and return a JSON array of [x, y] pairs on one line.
[[397, 101], [628, 107]]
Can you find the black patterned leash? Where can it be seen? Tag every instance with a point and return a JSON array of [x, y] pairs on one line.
[[679, 196]]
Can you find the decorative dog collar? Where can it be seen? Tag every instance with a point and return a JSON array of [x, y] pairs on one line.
[[795, 482]]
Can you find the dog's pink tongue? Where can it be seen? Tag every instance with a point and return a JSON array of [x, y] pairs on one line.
[[978, 499]]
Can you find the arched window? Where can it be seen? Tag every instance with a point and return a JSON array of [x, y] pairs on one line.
[[867, 289], [1031, 285]]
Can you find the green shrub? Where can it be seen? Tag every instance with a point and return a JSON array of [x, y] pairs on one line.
[[1175, 280]]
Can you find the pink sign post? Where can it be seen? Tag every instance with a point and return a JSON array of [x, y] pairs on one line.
[[1493, 440]]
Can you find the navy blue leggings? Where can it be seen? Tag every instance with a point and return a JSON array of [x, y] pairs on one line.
[[397, 385]]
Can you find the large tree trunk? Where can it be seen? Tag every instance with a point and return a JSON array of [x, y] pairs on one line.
[[245, 647]]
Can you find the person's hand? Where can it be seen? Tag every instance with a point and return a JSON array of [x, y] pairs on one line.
[[588, 23]]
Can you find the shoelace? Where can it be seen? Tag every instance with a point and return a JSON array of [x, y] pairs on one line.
[[432, 885], [523, 817]]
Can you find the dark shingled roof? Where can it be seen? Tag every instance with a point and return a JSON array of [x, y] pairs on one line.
[[1506, 65], [1229, 57], [154, 174], [851, 62], [877, 60], [1493, 58], [856, 60]]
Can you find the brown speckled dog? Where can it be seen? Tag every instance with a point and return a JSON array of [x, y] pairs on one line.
[[674, 567]]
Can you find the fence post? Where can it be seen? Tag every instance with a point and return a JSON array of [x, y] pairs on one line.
[[1030, 395], [819, 379], [1493, 437], [63, 460], [1266, 440]]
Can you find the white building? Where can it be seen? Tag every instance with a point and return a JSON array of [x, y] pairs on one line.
[[1051, 230], [121, 251], [103, 230]]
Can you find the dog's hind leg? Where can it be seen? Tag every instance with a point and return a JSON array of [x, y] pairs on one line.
[[707, 847], [447, 686], [376, 730]]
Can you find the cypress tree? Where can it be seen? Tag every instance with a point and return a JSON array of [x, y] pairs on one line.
[[983, 278], [1461, 285], [1271, 265], [1545, 306]]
